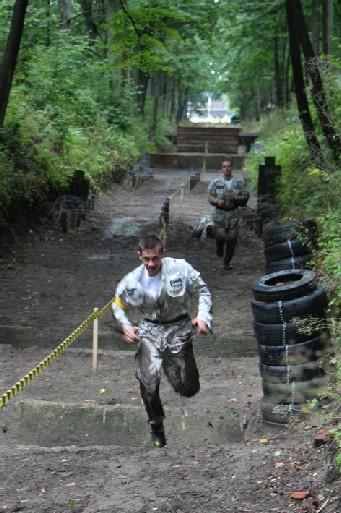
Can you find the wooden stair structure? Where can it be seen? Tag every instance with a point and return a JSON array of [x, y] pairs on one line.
[[202, 147]]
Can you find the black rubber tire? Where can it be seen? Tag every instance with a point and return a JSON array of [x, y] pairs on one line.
[[305, 230], [275, 413], [300, 262], [277, 312], [284, 285], [286, 333], [295, 354], [287, 249], [297, 392], [289, 373]]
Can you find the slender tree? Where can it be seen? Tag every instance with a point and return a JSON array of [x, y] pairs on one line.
[[301, 97], [318, 94], [10, 55], [65, 12], [327, 25], [90, 25]]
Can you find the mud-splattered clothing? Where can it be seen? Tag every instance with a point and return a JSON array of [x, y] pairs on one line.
[[165, 330], [179, 283], [226, 217]]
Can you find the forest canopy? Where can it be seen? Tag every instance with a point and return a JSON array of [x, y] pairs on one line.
[[92, 84]]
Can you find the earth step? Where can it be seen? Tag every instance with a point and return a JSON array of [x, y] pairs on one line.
[[220, 344], [62, 424], [194, 160]]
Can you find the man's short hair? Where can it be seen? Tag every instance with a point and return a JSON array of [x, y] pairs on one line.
[[150, 242], [227, 160]]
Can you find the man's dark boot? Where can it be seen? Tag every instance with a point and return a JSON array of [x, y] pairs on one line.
[[158, 435], [230, 248]]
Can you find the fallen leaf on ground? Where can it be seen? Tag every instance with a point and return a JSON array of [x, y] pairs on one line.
[[300, 495]]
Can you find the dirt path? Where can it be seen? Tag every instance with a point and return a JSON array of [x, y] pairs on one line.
[[74, 441]]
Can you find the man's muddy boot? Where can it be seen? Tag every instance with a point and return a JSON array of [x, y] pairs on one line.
[[220, 244], [158, 435]]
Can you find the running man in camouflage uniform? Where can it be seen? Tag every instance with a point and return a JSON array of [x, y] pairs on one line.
[[226, 194], [161, 289]]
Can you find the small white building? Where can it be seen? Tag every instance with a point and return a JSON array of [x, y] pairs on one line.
[[213, 111]]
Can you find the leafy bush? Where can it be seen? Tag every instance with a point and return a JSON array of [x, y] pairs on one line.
[[6, 184], [306, 191]]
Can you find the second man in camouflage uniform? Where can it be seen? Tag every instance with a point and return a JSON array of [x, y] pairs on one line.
[[226, 194]]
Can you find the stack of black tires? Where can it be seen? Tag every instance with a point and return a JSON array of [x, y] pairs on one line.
[[289, 309], [289, 246]]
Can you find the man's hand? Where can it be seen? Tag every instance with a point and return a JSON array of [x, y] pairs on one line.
[[201, 327], [130, 334], [220, 203]]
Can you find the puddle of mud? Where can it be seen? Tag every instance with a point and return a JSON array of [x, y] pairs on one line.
[[125, 227]]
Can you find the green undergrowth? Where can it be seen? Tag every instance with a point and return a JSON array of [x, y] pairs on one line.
[[38, 159], [63, 116], [309, 192], [306, 191]]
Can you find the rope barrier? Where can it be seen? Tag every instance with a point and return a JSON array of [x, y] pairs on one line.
[[25, 380], [97, 314]]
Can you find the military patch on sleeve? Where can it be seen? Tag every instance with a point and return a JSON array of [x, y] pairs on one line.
[[177, 283]]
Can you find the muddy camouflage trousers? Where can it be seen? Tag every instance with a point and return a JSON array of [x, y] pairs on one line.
[[227, 227], [169, 347]]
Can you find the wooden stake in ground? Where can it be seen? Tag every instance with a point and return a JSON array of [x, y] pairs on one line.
[[95, 344]]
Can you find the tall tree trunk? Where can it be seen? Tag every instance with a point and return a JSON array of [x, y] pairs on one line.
[[327, 25], [90, 25], [10, 55], [155, 89], [279, 59], [316, 25], [288, 85], [318, 94], [301, 97], [278, 78], [142, 83], [48, 23], [65, 11], [172, 100], [116, 78], [182, 104]]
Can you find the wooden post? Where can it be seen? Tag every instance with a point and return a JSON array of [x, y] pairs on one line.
[[204, 161], [95, 344], [182, 187], [269, 176]]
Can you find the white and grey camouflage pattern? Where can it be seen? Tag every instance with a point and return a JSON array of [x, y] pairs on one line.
[[164, 343], [179, 284]]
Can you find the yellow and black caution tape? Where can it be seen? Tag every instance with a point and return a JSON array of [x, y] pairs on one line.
[[25, 380]]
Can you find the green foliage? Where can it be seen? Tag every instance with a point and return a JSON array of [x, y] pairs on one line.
[[145, 36], [306, 192], [61, 117], [6, 183]]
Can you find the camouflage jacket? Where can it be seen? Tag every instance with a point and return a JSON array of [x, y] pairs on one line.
[[179, 283], [217, 190]]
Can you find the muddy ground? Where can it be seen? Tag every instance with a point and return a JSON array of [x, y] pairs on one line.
[[62, 449]]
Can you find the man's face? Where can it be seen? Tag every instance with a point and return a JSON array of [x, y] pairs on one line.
[[151, 259], [227, 169]]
